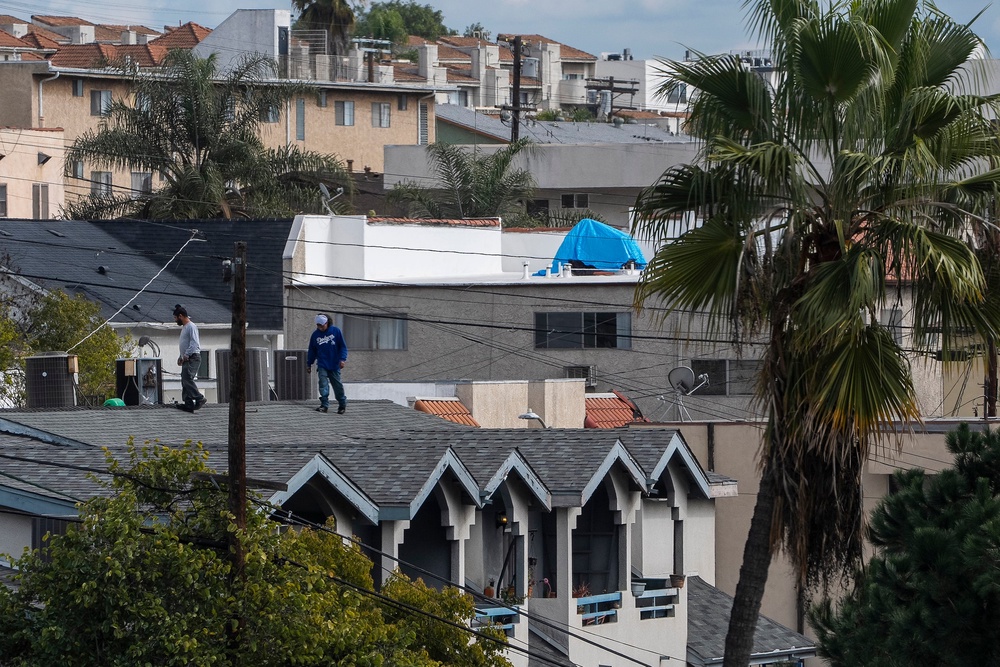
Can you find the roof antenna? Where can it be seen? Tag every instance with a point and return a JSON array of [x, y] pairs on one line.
[[683, 380]]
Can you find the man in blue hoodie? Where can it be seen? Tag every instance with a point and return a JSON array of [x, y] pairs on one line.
[[328, 349]]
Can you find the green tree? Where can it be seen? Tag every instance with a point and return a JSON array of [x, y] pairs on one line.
[[418, 20], [145, 579], [199, 130], [476, 30], [53, 321], [855, 171], [383, 21], [336, 17], [471, 183], [931, 593]]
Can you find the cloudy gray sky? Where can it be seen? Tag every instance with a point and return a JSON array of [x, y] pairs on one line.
[[650, 28]]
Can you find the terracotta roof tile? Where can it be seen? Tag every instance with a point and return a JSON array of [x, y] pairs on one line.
[[405, 72], [113, 33], [84, 56], [455, 40], [7, 19], [96, 55], [8, 40], [451, 409], [186, 36], [453, 222], [52, 38], [37, 39], [414, 40], [637, 114], [28, 55], [460, 74], [566, 52], [60, 20], [610, 411], [450, 53]]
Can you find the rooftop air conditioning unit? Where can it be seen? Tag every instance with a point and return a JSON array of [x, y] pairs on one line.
[[588, 373], [49, 380], [257, 387], [291, 382]]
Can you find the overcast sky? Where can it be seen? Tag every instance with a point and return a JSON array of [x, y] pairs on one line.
[[650, 28]]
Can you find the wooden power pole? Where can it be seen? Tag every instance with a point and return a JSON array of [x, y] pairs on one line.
[[515, 120], [238, 430]]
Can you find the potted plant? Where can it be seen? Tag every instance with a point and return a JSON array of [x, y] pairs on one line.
[[638, 588], [489, 591], [677, 580]]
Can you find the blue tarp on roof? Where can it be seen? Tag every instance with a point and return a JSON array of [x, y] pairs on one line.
[[592, 244]]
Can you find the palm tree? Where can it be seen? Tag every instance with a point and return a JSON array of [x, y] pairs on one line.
[[336, 17], [472, 183], [816, 196], [196, 131]]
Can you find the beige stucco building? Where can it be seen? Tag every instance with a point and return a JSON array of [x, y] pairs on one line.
[[31, 183]]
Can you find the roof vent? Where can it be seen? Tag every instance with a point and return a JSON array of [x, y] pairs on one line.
[[103, 270]]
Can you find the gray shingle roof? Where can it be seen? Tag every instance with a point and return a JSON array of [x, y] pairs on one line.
[[201, 265], [82, 258], [708, 621]]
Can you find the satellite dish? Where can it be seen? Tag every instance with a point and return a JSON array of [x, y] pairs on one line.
[[682, 379], [685, 383], [327, 197]]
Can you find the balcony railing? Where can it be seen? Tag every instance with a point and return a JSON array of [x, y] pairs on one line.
[[502, 617], [596, 609], [657, 603]]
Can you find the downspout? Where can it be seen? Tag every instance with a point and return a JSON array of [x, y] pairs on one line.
[[288, 123], [41, 98], [419, 100]]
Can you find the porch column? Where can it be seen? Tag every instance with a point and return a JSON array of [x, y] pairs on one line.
[[392, 537]]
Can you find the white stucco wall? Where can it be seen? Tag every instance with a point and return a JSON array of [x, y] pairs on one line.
[[244, 31]]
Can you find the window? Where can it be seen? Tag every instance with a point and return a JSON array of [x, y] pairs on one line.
[[300, 119], [583, 330], [380, 114], [204, 370], [577, 200], [3, 200], [344, 112], [423, 134], [677, 93], [463, 98], [100, 182], [78, 169], [77, 87], [271, 114], [40, 201], [142, 183], [321, 99], [727, 377], [142, 102], [100, 102], [538, 208], [402, 101], [373, 333]]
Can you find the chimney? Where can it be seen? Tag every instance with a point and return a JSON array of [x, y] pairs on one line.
[[128, 37]]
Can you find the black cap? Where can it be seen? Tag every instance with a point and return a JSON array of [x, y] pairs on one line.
[[180, 310]]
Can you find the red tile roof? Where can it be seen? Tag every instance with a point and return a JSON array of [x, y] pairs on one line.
[[37, 39], [84, 56], [565, 51], [47, 35], [451, 409], [7, 19], [610, 411], [8, 40], [96, 55], [60, 20], [405, 72], [453, 222], [113, 33], [186, 36]]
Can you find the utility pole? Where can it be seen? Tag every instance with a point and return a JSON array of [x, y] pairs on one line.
[[238, 435], [515, 121]]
